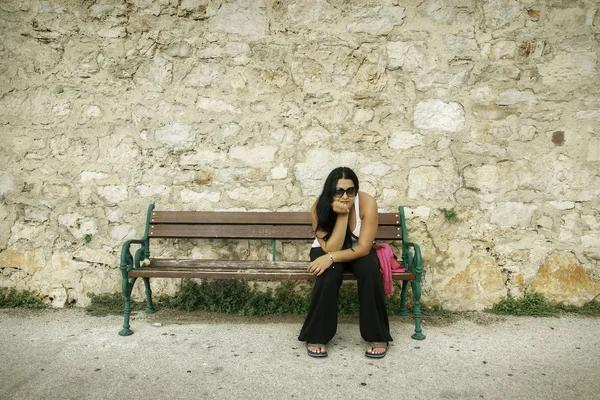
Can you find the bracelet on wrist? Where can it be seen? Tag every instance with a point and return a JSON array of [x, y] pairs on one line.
[[331, 257]]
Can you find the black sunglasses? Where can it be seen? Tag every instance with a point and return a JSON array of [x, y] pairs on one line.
[[339, 192]]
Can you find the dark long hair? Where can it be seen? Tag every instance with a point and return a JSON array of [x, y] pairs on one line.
[[326, 217]]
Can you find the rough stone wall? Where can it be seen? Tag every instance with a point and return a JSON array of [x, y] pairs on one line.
[[488, 108]]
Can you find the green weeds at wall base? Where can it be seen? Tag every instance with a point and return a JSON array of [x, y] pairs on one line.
[[239, 297], [110, 304], [535, 304], [11, 298]]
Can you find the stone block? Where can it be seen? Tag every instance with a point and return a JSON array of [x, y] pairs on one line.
[[312, 14], [113, 194], [91, 176], [30, 262], [479, 286], [241, 17], [545, 222], [460, 46], [512, 97], [204, 75], [122, 232], [362, 115], [501, 14], [254, 155], [527, 133], [78, 225], [191, 196], [377, 168], [284, 135], [562, 205], [202, 158], [504, 50], [153, 191], [387, 18], [593, 150], [157, 72], [484, 179], [421, 212], [442, 80], [36, 214], [7, 183], [409, 56], [436, 114], [58, 297], [512, 214], [66, 262], [563, 279], [254, 197], [174, 133], [95, 256], [180, 48], [569, 67], [433, 182], [278, 172], [588, 114], [231, 49], [315, 134], [26, 231], [216, 105], [489, 113]]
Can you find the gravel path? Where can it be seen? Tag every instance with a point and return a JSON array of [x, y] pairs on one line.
[[66, 354]]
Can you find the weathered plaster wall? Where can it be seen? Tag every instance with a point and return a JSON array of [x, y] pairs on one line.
[[489, 108]]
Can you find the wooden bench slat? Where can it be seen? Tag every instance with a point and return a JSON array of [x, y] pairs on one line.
[[232, 232], [204, 263], [251, 232], [233, 218], [248, 273], [248, 218]]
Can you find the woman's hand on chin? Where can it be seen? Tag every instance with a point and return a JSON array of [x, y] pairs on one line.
[[340, 208]]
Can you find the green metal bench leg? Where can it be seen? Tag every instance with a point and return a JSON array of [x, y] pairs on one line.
[[403, 294], [127, 288], [149, 307], [416, 289]]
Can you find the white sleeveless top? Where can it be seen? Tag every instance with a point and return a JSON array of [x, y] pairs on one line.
[[356, 231]]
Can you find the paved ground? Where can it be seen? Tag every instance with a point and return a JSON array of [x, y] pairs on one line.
[[65, 354]]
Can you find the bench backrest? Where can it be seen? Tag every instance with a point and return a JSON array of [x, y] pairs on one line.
[[250, 225]]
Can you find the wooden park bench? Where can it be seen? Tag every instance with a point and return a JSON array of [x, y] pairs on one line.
[[272, 226]]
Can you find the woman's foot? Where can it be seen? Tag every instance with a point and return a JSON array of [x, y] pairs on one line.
[[316, 350], [377, 349]]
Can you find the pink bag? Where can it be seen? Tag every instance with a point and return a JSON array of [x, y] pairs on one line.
[[387, 264]]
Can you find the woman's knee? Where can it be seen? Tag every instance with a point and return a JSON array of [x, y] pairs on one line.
[[367, 266]]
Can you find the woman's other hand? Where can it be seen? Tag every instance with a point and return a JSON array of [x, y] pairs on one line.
[[319, 265], [340, 208]]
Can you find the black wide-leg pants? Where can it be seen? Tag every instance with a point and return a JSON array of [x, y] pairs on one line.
[[321, 322]]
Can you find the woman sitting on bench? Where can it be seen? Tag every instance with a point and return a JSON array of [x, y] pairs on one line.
[[345, 224]]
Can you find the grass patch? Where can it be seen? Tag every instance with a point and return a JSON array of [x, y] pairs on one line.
[[449, 214], [240, 298], [110, 304], [535, 304], [293, 298], [12, 298]]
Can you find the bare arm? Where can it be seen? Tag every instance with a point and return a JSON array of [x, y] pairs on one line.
[[368, 230], [336, 240]]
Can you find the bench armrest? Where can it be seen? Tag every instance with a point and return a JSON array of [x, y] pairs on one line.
[[128, 262], [412, 260]]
